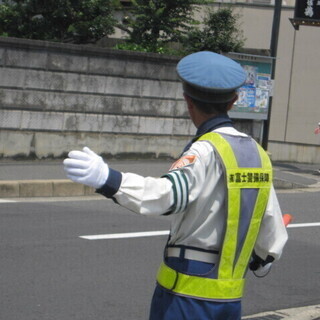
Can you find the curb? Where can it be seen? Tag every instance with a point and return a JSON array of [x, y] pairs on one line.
[[43, 188], [67, 188], [301, 313], [285, 184]]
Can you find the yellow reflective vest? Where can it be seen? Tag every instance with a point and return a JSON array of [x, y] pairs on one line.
[[248, 176]]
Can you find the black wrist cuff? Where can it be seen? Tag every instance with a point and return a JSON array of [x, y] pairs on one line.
[[112, 184]]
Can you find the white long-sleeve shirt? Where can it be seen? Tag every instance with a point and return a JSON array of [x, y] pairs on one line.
[[196, 201]]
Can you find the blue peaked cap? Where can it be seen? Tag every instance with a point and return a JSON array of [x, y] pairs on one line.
[[210, 77]]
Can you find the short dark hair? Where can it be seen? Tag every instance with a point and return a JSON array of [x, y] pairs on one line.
[[211, 107]]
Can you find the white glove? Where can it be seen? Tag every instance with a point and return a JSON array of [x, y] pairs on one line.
[[86, 167], [262, 271]]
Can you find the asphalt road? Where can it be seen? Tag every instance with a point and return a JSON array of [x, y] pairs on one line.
[[49, 272]]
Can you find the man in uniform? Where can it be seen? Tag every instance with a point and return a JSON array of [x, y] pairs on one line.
[[225, 213]]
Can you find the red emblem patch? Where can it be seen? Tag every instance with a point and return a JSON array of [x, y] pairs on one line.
[[183, 162]]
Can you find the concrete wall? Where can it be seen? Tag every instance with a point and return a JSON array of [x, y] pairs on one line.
[[54, 98], [57, 97]]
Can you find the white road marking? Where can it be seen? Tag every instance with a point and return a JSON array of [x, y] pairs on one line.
[[303, 225], [166, 232], [126, 235], [54, 199]]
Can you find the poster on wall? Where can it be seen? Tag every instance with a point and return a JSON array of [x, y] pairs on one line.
[[254, 95]]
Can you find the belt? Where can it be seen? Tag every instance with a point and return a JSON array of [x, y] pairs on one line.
[[191, 254]]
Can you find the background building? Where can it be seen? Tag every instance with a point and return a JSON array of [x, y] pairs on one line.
[[54, 97]]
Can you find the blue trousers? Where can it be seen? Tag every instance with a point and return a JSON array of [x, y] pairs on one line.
[[168, 306]]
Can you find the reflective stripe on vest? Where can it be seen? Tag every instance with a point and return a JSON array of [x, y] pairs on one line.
[[234, 258]]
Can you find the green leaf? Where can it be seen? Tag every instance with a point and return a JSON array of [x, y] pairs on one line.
[[82, 21]]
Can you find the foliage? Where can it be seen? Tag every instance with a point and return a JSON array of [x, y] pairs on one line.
[[140, 48], [78, 21], [153, 23], [221, 33]]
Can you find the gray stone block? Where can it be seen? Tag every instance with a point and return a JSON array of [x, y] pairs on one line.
[[183, 127], [15, 143], [67, 188], [35, 188], [155, 126], [120, 124], [57, 144], [45, 80], [162, 89], [88, 191], [9, 189], [10, 119], [67, 62], [89, 122], [91, 103], [123, 86], [107, 66], [33, 120], [26, 58], [14, 78], [54, 144], [2, 57], [148, 70]]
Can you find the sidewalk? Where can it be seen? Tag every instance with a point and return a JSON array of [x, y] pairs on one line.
[[46, 178], [302, 313]]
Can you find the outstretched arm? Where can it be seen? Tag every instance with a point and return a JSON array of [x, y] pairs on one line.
[[144, 195]]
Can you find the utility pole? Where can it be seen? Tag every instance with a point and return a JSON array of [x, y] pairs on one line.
[[273, 53]]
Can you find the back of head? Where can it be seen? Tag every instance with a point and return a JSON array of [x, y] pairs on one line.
[[211, 80]]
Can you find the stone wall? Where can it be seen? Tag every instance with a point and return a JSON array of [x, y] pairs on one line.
[[57, 97]]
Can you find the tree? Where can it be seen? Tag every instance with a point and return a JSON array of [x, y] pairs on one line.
[[220, 33], [153, 23], [77, 21]]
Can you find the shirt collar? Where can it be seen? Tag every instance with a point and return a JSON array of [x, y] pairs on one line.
[[209, 125], [216, 122]]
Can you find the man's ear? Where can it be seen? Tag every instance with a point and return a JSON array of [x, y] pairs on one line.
[[186, 97], [230, 105], [189, 101]]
